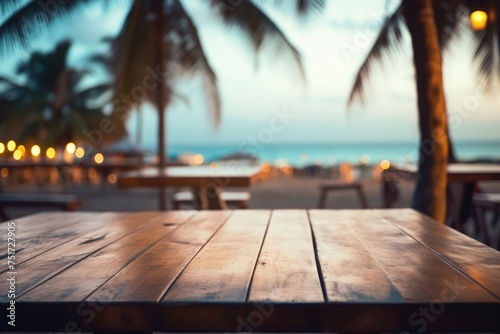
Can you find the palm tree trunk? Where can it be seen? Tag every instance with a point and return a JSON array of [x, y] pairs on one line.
[[161, 101], [138, 137], [430, 192]]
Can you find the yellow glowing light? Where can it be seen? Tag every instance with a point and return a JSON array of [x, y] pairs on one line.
[[51, 153], [17, 154], [79, 152], [70, 148], [21, 148], [478, 20], [112, 178], [99, 158], [35, 150], [385, 164], [11, 145], [365, 159], [5, 172], [2, 148], [198, 159]]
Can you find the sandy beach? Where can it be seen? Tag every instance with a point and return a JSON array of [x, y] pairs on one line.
[[276, 193]]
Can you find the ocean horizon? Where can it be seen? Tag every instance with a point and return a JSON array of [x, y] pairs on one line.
[[329, 154]]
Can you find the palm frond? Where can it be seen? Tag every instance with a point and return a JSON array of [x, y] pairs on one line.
[[484, 55], [82, 99], [306, 7], [133, 61], [261, 30], [192, 59], [388, 40], [13, 88], [302, 8], [33, 19], [7, 6], [451, 19]]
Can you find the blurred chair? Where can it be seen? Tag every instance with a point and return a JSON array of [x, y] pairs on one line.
[[482, 203], [345, 182], [358, 187]]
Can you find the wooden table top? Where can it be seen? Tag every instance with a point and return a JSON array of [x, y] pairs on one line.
[[259, 270], [457, 172], [191, 176]]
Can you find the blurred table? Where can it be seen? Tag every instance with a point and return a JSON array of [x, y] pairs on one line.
[[252, 270], [465, 174], [205, 181]]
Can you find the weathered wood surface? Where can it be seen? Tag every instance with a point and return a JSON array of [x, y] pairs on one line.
[[262, 271]]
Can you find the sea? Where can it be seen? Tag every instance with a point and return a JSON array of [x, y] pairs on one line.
[[300, 155]]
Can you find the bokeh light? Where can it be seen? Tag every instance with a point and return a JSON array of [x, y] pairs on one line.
[[112, 178], [35, 150], [385, 164], [365, 159], [198, 159], [79, 152], [70, 148], [478, 20], [11, 145], [17, 154], [51, 153], [99, 158]]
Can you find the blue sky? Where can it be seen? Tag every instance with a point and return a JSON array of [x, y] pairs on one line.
[[254, 87]]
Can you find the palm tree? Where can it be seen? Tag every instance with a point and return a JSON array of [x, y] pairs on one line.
[[159, 39], [53, 107], [433, 25]]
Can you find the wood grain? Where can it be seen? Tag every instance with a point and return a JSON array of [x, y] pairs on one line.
[[91, 272], [33, 241], [150, 275], [260, 271], [350, 272], [417, 272], [474, 260], [286, 270], [222, 270], [114, 226]]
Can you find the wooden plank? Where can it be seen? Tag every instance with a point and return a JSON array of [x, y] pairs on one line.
[[350, 273], [286, 292], [222, 270], [286, 270], [219, 274], [418, 273], [430, 286], [39, 223], [148, 277], [85, 276], [114, 226], [477, 261], [66, 229]]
